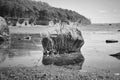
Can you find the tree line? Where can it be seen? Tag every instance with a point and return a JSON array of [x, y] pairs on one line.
[[38, 10]]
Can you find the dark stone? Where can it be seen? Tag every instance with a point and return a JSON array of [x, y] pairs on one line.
[[4, 34], [111, 41], [117, 55], [63, 49], [118, 30], [110, 24], [1, 40]]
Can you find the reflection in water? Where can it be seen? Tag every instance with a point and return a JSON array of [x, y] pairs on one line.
[[3, 55], [20, 57], [95, 51], [24, 49], [24, 57], [11, 54]]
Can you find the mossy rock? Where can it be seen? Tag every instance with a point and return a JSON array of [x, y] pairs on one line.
[[4, 34], [63, 48]]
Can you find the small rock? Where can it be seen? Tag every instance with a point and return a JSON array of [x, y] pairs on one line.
[[117, 55], [111, 41], [118, 30]]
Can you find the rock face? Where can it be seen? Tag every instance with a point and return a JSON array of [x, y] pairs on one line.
[[63, 47], [4, 33]]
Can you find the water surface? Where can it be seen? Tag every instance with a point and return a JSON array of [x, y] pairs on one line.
[[95, 50]]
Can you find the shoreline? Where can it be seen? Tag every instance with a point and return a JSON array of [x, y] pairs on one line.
[[60, 73], [53, 73]]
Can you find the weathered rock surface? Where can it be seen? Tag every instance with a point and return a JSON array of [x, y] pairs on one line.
[[63, 47], [4, 33]]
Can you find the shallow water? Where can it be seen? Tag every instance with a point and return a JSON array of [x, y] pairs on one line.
[[96, 51], [24, 58], [25, 50]]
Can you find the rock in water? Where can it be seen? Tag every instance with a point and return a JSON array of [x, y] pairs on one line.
[[118, 30], [63, 47], [4, 33], [117, 55], [111, 41]]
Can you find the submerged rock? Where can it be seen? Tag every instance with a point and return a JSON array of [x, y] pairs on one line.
[[4, 33], [117, 55], [63, 47], [118, 30], [111, 41]]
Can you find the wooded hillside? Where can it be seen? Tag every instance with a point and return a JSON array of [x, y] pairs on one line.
[[39, 10]]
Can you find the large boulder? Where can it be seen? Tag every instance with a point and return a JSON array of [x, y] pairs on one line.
[[63, 47], [4, 33]]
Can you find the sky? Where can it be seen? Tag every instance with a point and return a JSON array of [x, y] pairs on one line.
[[98, 11]]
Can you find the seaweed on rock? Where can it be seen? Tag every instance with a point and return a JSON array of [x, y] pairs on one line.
[[63, 48]]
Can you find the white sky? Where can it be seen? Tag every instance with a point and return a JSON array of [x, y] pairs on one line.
[[99, 11]]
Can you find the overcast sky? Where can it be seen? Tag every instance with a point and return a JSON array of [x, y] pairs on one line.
[[99, 11]]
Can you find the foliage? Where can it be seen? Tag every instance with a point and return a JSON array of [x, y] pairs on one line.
[[38, 10]]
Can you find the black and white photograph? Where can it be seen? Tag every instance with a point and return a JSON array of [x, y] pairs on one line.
[[59, 39]]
